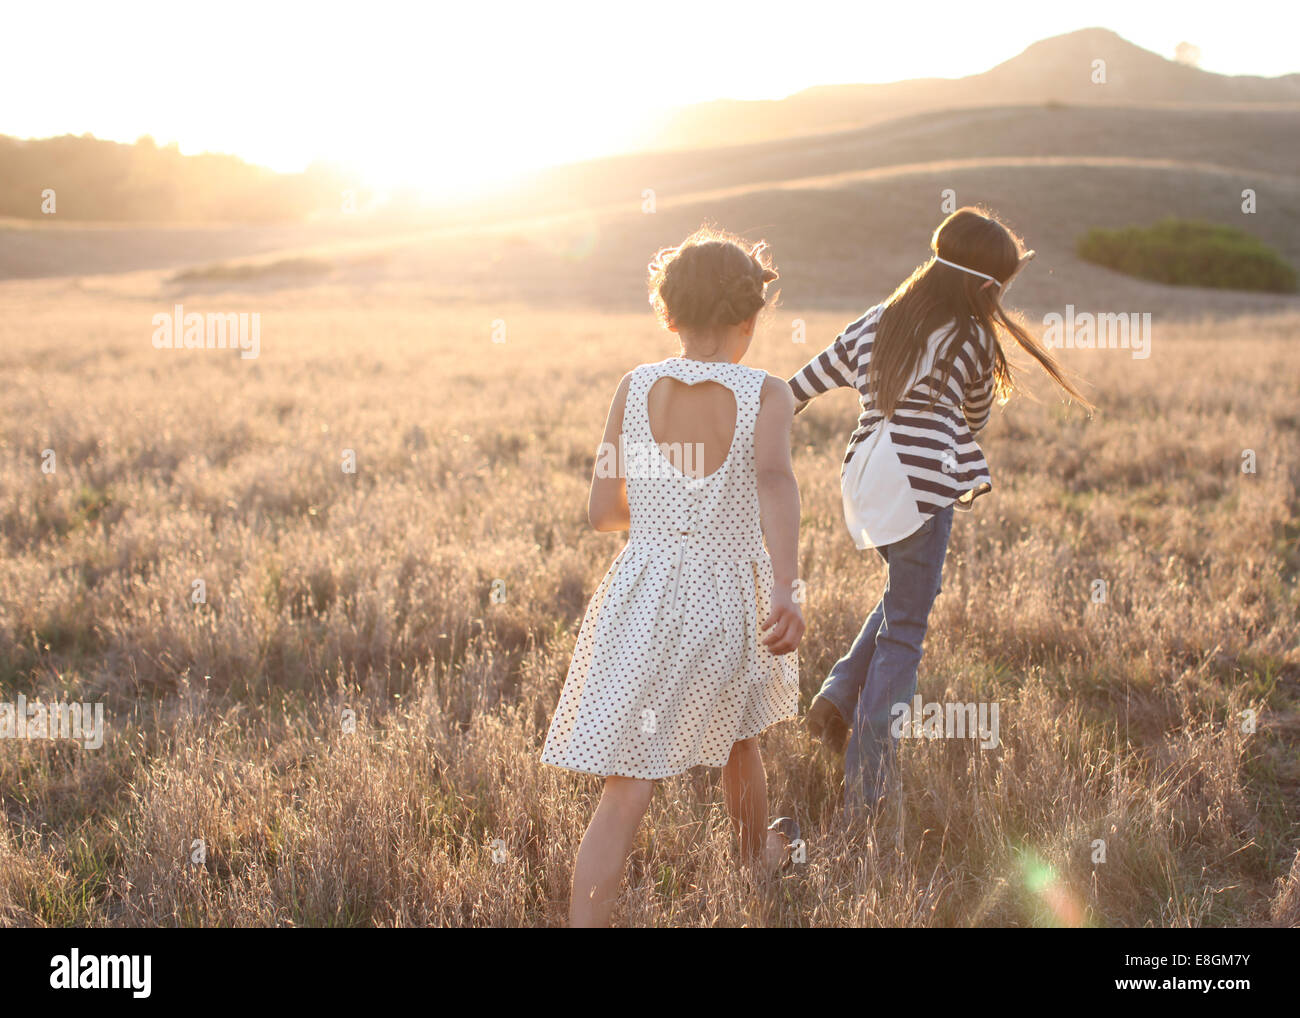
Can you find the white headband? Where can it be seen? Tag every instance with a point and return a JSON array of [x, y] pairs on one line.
[[982, 275]]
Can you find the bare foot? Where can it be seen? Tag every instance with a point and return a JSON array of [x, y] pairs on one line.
[[781, 836]]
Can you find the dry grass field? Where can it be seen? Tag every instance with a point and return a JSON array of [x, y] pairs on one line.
[[345, 729], [334, 595]]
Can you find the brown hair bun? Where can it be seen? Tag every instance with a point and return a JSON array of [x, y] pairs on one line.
[[711, 279]]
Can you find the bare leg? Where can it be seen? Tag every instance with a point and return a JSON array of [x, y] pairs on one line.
[[744, 784], [602, 856]]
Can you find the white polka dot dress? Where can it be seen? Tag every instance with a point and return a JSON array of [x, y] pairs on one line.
[[668, 670]]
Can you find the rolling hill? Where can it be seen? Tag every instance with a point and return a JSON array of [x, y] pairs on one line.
[[848, 211], [1055, 70]]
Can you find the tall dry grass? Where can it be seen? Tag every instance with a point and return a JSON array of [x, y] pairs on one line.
[[331, 593]]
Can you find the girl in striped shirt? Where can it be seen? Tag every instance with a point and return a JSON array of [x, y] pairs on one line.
[[928, 364]]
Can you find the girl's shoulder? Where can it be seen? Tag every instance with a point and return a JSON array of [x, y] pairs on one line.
[[985, 341], [650, 368], [686, 364], [858, 337], [755, 381], [972, 345], [970, 331], [867, 321], [734, 375]]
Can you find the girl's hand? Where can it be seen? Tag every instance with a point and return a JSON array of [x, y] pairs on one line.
[[778, 503], [1025, 259], [784, 625]]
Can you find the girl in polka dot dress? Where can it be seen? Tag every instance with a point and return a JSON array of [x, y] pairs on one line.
[[686, 653]]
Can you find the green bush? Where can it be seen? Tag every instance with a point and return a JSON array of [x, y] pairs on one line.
[[1189, 253]]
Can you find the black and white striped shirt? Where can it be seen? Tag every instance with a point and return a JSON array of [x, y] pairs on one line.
[[923, 459]]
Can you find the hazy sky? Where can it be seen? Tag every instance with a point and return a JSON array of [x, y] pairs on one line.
[[442, 94]]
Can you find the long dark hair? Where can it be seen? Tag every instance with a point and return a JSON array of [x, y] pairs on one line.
[[937, 295]]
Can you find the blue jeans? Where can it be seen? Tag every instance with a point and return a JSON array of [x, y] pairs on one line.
[[879, 670]]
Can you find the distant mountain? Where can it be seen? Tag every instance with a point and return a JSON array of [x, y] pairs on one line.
[[1042, 102], [1055, 70], [87, 178]]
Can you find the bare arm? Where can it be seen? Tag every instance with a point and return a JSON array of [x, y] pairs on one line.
[[607, 503], [778, 500]]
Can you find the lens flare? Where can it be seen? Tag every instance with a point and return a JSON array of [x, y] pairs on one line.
[[1042, 881]]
